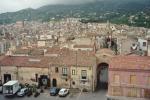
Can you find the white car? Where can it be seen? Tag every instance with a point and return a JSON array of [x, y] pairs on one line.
[[63, 92], [22, 92]]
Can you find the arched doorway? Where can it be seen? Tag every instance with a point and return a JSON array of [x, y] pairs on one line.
[[102, 76], [7, 77], [54, 82], [43, 80]]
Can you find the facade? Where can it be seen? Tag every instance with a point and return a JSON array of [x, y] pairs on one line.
[[46, 40], [73, 70], [129, 76], [24, 69], [142, 44], [69, 69], [4, 46]]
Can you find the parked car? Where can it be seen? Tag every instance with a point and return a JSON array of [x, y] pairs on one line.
[[54, 91], [29, 93], [1, 89], [22, 92], [36, 94], [63, 92]]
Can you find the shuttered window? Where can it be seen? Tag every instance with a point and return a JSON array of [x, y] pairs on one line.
[[132, 92], [116, 79], [73, 72], [83, 74], [64, 71], [116, 91], [133, 79], [149, 80]]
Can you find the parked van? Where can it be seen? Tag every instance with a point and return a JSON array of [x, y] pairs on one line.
[[11, 88]]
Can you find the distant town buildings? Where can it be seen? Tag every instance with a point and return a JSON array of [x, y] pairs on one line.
[[71, 54]]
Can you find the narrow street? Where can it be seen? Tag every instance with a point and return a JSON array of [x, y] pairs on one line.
[[100, 95]]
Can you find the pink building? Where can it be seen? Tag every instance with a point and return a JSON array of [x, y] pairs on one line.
[[129, 76]]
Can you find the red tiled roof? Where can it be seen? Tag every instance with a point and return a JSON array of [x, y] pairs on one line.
[[66, 58], [24, 61], [13, 61], [79, 58], [53, 50], [130, 62], [83, 46]]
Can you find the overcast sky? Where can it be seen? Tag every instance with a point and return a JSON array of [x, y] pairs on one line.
[[14, 5]]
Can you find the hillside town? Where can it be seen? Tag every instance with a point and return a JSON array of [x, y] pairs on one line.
[[79, 56]]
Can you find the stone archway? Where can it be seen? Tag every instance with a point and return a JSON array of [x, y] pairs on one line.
[[101, 71], [102, 76]]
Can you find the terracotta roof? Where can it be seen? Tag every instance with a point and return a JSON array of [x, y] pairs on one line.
[[66, 57], [24, 61], [130, 62], [37, 52], [83, 46], [22, 51], [13, 61], [79, 58], [37, 62], [53, 50]]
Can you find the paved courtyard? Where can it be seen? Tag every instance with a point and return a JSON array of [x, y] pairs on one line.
[[100, 95]]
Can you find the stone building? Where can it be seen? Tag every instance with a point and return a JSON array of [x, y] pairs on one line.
[[32, 70], [73, 70], [70, 69], [129, 76]]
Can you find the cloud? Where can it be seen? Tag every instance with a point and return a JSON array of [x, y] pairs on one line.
[[14, 5]]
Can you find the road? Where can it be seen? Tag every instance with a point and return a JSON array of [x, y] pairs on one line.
[[78, 96]]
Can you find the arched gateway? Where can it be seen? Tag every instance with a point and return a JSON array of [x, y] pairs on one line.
[[101, 71], [102, 76]]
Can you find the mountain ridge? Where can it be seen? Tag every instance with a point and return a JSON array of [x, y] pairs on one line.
[[89, 10]]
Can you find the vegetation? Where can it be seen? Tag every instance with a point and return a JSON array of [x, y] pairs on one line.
[[130, 12]]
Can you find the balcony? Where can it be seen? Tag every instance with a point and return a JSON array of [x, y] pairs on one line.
[[64, 76], [83, 79]]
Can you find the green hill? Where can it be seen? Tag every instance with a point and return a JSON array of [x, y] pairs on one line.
[[99, 11]]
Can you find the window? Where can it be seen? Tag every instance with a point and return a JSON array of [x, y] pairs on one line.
[[116, 79], [116, 91], [73, 72], [56, 70], [144, 44], [149, 80], [132, 92], [64, 71], [73, 83], [0, 83], [132, 79], [83, 74]]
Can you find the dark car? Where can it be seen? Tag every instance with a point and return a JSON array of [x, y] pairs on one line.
[[29, 93], [54, 91], [1, 88], [36, 94]]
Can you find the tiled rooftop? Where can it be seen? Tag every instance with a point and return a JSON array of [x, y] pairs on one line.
[[130, 62]]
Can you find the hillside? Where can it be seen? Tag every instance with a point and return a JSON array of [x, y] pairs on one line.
[[116, 11]]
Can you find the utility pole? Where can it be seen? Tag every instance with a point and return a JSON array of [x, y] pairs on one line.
[[76, 62]]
